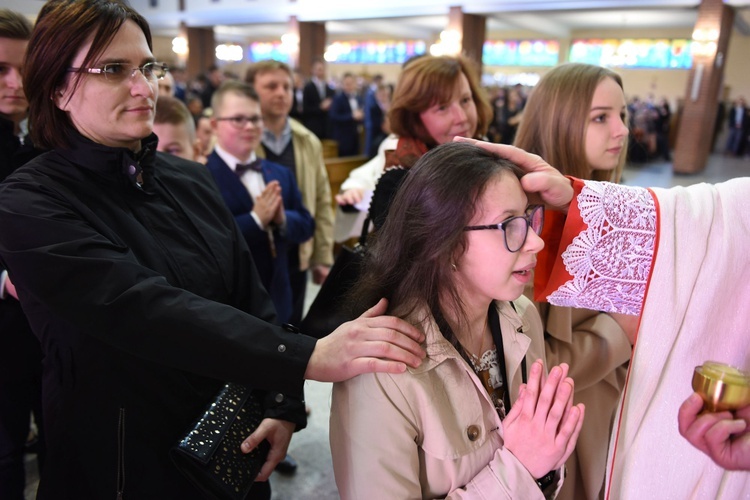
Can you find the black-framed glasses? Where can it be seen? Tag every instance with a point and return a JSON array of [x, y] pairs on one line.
[[516, 228], [119, 72], [241, 121]]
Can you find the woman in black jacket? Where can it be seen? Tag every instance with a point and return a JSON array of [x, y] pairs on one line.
[[135, 278]]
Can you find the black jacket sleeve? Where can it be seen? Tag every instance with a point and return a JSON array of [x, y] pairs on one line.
[[78, 278]]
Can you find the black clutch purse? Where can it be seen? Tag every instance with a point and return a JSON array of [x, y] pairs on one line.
[[210, 455], [327, 311]]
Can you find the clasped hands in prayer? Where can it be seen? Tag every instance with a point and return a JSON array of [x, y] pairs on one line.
[[543, 425], [269, 205]]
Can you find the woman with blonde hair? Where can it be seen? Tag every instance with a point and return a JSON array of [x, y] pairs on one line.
[[561, 119], [575, 119]]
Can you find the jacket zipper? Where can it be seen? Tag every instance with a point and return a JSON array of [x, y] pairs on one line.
[[121, 454]]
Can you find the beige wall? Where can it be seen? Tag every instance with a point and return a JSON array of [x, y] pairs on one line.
[[163, 50], [737, 72]]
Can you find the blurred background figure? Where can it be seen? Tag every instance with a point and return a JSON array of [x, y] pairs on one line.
[[345, 116], [175, 128], [663, 125], [512, 114], [376, 106], [739, 124], [316, 100], [298, 92], [180, 82], [498, 100], [20, 352], [204, 132], [166, 86], [195, 105], [214, 77]]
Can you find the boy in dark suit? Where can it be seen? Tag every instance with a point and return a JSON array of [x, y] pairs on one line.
[[262, 195]]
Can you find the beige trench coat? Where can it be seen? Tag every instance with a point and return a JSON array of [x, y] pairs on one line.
[[432, 432], [598, 351]]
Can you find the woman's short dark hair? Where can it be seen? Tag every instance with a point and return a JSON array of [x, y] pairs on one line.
[[427, 81], [62, 28], [409, 260]]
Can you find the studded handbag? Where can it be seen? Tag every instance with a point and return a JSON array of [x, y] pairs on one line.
[[210, 455]]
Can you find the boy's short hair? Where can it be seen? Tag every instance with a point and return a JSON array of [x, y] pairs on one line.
[[14, 25], [232, 87], [173, 111]]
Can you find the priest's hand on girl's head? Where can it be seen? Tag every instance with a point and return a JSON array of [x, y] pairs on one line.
[[542, 427], [542, 181]]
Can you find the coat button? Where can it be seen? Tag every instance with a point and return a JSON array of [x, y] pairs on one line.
[[472, 432], [282, 348], [279, 398]]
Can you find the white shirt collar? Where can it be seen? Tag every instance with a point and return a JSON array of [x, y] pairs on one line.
[[232, 160]]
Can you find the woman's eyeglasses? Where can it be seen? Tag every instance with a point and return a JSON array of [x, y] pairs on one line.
[[119, 72], [516, 228]]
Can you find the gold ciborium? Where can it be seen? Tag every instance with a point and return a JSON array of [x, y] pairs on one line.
[[722, 387]]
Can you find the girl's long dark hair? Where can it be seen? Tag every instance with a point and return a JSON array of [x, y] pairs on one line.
[[409, 260]]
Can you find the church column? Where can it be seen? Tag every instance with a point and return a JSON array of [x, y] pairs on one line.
[[472, 31], [312, 44], [710, 41], [202, 50]]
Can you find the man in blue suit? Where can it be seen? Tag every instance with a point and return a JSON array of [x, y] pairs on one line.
[[262, 195]]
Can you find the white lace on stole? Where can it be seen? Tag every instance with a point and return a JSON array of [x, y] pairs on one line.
[[610, 261]]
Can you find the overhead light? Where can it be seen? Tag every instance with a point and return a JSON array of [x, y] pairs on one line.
[[180, 45], [229, 52], [704, 42], [448, 45]]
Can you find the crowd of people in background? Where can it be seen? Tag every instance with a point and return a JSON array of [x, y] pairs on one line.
[[352, 109]]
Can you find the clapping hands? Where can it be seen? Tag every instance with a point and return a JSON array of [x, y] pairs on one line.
[[542, 427]]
